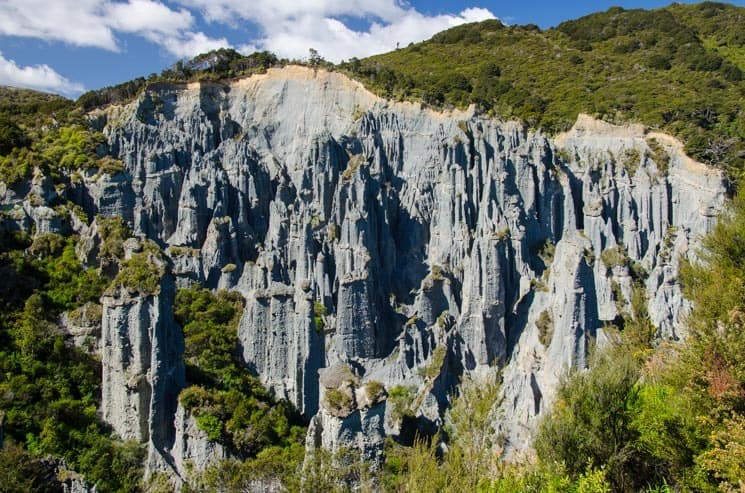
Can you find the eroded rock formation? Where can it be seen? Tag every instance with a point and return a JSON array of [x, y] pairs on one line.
[[386, 241]]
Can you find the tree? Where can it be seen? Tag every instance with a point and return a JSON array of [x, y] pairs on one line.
[[11, 136], [591, 423], [314, 58], [33, 332]]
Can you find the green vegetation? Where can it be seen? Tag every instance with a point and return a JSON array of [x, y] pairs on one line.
[[631, 160], [56, 151], [319, 313], [645, 415], [659, 155], [545, 326], [113, 232], [220, 64], [374, 390], [228, 402], [592, 423], [50, 390], [45, 131], [679, 69], [400, 399], [614, 256], [339, 400], [432, 369], [141, 273], [670, 415], [471, 461]]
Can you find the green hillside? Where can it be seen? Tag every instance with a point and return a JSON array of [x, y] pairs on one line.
[[679, 69]]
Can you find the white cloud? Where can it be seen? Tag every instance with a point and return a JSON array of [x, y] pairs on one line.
[[290, 28], [78, 22], [146, 16], [41, 77], [287, 27], [264, 11], [95, 23], [191, 44]]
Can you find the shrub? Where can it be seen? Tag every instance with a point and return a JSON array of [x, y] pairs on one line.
[[212, 425], [659, 62], [140, 274], [614, 256], [433, 368], [400, 399], [660, 156], [113, 232], [11, 135], [319, 313], [545, 326], [630, 160], [338, 400], [592, 422], [229, 403], [374, 390]]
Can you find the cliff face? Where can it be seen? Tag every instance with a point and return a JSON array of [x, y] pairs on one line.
[[405, 245], [143, 369]]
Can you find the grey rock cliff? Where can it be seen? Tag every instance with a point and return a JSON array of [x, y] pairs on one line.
[[143, 370], [192, 449], [416, 230]]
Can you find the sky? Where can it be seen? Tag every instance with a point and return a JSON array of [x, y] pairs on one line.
[[71, 46]]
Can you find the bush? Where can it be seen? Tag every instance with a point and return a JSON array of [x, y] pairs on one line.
[[659, 62], [229, 403], [55, 386], [113, 232], [319, 313], [140, 274], [21, 472], [592, 422], [374, 390], [400, 400], [434, 367], [338, 400], [545, 325], [11, 135], [614, 256]]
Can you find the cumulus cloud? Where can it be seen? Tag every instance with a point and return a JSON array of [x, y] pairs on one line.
[[41, 77], [95, 23], [335, 41], [264, 11], [78, 22], [191, 44], [290, 28], [286, 27]]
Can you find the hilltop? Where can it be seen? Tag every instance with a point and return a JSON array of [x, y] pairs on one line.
[[678, 68]]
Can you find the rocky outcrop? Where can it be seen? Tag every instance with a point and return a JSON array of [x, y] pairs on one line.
[[407, 245], [351, 415], [192, 450], [143, 370], [83, 325]]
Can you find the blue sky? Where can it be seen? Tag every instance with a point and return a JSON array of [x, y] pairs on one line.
[[69, 46]]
